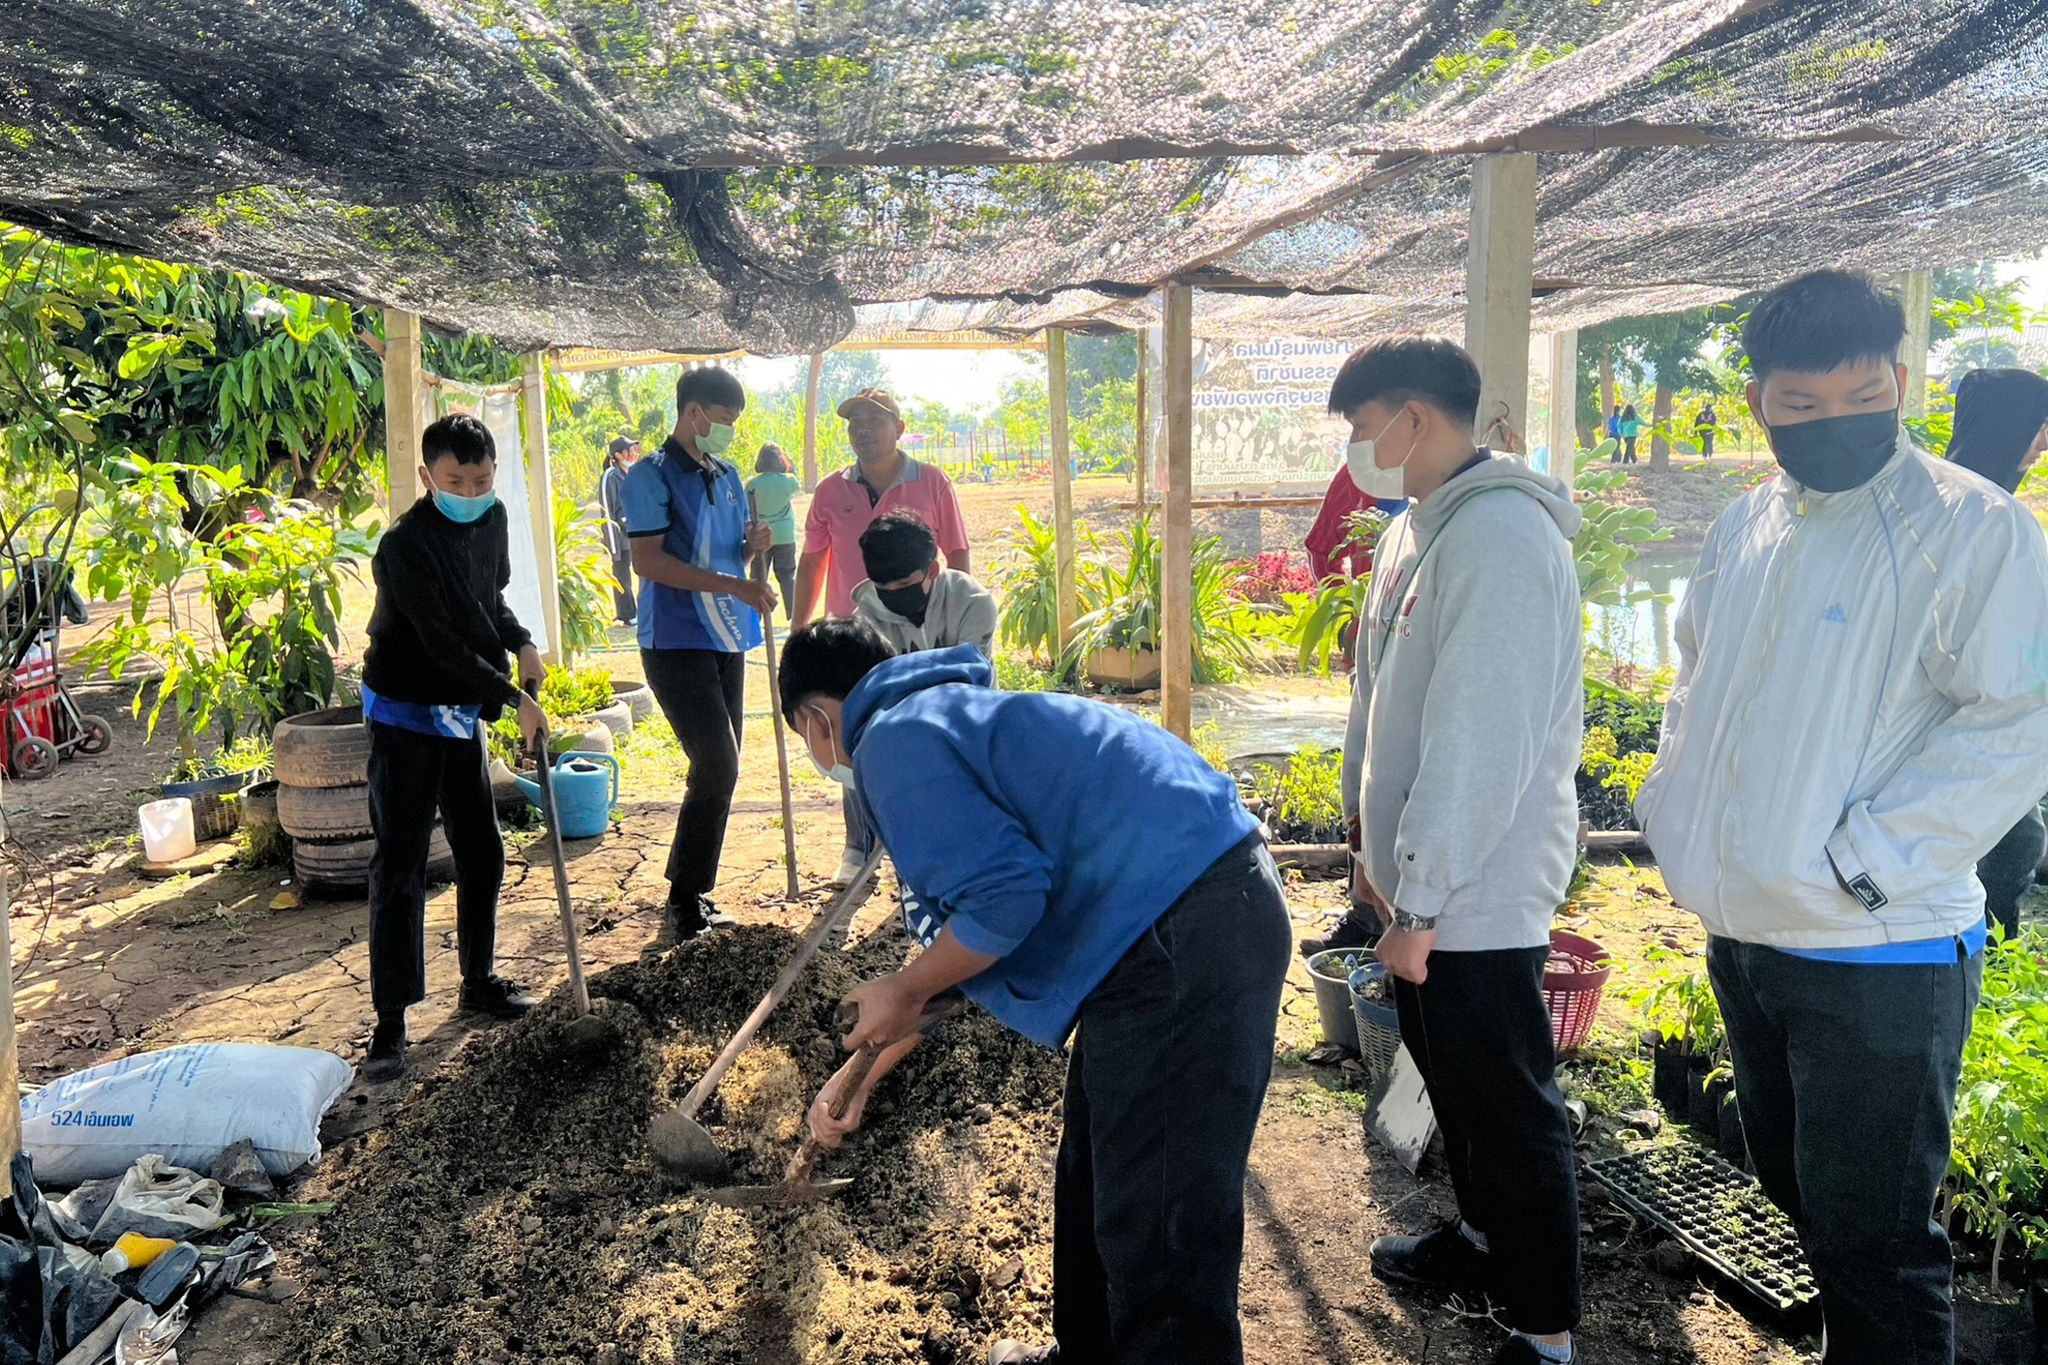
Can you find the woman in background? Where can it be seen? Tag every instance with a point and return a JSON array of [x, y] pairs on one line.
[[772, 489], [619, 457]]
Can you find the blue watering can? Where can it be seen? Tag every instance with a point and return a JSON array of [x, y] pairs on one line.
[[584, 793]]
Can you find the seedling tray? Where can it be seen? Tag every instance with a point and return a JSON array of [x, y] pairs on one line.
[[1717, 1212]]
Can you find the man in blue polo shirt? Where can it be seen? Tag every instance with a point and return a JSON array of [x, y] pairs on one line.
[[686, 519], [1075, 869]]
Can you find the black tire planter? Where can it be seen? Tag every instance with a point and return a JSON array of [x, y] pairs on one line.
[[342, 867], [328, 748], [324, 813]]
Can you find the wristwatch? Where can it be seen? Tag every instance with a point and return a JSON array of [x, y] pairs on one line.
[[1414, 924]]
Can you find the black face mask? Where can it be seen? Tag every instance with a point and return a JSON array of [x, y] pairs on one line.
[[908, 603], [1836, 454]]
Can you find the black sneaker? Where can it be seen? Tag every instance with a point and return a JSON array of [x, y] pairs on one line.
[[386, 1059], [1347, 932], [1007, 1352], [1519, 1351], [1444, 1259], [684, 920], [497, 997]]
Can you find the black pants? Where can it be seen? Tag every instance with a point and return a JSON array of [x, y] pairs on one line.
[[703, 694], [411, 776], [1480, 1035], [1846, 1075], [1169, 1067], [2007, 871], [1628, 450], [623, 601]]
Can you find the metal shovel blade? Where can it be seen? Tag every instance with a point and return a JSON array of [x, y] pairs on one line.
[[788, 1194], [683, 1147]]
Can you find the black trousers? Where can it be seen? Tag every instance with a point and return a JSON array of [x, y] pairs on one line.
[[703, 694], [624, 604], [782, 559], [411, 776], [1480, 1035], [1846, 1076], [2007, 871], [1169, 1068]]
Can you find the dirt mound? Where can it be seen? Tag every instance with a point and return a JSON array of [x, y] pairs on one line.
[[510, 1214]]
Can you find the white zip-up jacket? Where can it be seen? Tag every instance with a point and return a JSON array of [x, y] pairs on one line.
[[1468, 709], [1863, 691]]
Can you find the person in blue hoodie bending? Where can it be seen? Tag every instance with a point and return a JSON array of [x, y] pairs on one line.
[[1075, 870]]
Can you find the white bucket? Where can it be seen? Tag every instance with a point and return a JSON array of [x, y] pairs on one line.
[[167, 830]]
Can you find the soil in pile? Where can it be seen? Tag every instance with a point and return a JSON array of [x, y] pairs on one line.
[[510, 1214]]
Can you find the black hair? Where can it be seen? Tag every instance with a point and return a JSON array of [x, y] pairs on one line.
[[1823, 321], [896, 545], [828, 658], [709, 386], [771, 460], [1401, 370], [461, 435], [1628, 414]]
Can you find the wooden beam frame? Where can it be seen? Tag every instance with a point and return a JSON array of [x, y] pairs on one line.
[[1177, 590], [1499, 271], [404, 387], [815, 373], [1917, 294], [540, 494], [1066, 593]]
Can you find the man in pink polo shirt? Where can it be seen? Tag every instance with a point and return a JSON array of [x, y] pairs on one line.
[[880, 479]]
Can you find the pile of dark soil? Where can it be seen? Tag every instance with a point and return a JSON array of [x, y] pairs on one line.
[[511, 1215]]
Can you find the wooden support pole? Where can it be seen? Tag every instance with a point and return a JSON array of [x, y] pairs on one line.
[[403, 388], [10, 1062], [1917, 294], [1066, 596], [1499, 275], [1563, 436], [540, 494], [811, 422], [1143, 441], [1177, 592]]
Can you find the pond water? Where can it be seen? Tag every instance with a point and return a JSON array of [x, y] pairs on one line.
[[1639, 632]]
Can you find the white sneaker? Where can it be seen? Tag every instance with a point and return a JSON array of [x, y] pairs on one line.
[[850, 865]]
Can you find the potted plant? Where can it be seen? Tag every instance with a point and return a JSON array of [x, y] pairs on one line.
[[1685, 1021], [1116, 640]]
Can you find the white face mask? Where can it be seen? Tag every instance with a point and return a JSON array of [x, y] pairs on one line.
[[842, 773], [1361, 458]]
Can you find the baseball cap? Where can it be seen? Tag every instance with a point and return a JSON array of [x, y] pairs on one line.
[[876, 398]]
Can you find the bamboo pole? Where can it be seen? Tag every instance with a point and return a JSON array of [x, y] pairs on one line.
[[540, 495], [1067, 592], [1177, 592], [403, 386], [1144, 443]]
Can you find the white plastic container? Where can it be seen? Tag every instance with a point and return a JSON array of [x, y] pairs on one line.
[[167, 830]]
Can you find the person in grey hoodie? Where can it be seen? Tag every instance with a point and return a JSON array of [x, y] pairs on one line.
[[1466, 720], [917, 603], [1861, 709]]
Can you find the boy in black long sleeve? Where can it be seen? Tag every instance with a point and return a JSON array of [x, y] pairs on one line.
[[434, 675]]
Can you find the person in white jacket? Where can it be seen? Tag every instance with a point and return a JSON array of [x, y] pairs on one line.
[[1860, 710], [917, 603], [1465, 732]]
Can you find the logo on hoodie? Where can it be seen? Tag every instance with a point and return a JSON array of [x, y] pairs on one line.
[[1835, 616]]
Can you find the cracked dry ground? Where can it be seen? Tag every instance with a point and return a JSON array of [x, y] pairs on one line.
[[496, 1209]]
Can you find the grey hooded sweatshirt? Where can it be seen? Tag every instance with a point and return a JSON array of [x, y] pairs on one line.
[[1467, 709]]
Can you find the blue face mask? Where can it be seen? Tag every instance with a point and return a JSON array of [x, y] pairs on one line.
[[842, 773], [463, 510]]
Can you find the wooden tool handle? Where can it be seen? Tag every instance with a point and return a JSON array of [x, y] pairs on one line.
[[938, 1009], [815, 935]]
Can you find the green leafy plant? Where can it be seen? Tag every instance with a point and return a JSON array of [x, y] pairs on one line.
[[1122, 601], [1328, 617], [1030, 583], [1998, 1156], [1307, 791], [265, 648], [584, 582], [1611, 535], [1678, 1001], [1612, 770]]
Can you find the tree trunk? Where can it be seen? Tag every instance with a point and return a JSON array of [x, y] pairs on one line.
[[1607, 403], [1660, 449]]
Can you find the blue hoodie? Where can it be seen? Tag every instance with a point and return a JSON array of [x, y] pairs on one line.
[[1050, 831]]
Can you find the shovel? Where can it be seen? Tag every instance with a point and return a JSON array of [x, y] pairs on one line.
[[775, 720], [680, 1143], [797, 1187], [587, 1033]]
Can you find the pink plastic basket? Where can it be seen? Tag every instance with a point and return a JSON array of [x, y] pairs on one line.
[[1574, 979]]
